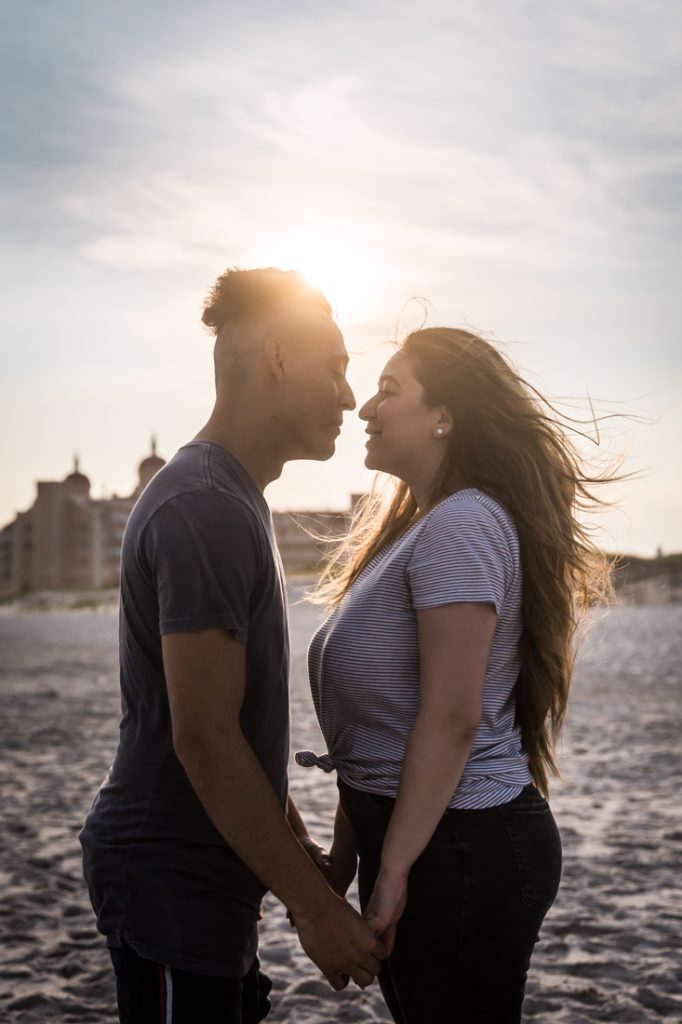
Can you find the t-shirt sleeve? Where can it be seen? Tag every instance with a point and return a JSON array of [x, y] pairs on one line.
[[461, 555], [203, 554]]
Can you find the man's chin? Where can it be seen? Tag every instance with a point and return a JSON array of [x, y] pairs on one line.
[[327, 452], [320, 453]]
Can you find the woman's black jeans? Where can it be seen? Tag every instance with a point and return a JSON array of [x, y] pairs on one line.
[[477, 896]]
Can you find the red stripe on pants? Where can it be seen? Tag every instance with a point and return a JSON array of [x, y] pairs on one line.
[[162, 993]]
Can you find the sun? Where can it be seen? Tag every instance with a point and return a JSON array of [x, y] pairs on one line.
[[330, 261]]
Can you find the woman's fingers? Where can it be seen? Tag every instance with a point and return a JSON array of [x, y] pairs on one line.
[[322, 860], [384, 929], [377, 922], [385, 908], [388, 938], [318, 855]]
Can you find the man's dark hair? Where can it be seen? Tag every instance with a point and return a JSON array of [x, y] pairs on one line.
[[240, 294]]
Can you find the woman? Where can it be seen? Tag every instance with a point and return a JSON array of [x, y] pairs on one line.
[[441, 677]]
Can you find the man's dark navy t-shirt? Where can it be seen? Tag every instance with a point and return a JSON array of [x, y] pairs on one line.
[[198, 553]]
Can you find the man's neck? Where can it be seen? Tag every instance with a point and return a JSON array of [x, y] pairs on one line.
[[248, 443]]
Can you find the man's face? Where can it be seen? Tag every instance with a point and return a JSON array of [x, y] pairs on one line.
[[315, 393]]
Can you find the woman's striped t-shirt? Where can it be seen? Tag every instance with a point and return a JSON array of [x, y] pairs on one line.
[[364, 659]]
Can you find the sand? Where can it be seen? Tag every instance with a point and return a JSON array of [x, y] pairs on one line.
[[611, 946]]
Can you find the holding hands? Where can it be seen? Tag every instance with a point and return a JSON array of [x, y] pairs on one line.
[[389, 897], [331, 932], [339, 941]]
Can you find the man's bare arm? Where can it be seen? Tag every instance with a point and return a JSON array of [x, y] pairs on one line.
[[205, 676]]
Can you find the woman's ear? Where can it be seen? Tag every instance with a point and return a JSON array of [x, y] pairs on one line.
[[442, 421]]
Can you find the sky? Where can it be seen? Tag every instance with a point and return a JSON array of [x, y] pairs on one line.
[[516, 165]]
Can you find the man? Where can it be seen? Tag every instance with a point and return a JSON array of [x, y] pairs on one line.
[[193, 823]]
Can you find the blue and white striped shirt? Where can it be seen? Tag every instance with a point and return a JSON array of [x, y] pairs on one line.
[[364, 659]]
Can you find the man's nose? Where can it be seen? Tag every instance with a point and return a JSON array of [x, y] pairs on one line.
[[347, 397]]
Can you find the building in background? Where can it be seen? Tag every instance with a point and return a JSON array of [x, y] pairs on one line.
[[303, 537], [69, 540]]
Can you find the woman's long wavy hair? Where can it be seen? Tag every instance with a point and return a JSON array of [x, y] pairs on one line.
[[509, 442]]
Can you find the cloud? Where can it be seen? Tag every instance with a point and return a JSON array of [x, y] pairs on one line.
[[519, 163], [485, 119], [137, 252]]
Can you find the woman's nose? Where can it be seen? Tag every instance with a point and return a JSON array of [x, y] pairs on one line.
[[367, 411]]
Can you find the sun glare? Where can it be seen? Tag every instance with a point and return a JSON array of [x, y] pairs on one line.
[[331, 262]]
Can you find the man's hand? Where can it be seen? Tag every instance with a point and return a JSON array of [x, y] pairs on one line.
[[341, 943], [386, 906]]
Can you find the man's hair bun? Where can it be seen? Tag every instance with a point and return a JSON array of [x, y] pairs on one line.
[[239, 294]]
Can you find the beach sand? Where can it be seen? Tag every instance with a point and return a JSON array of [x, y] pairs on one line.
[[610, 948]]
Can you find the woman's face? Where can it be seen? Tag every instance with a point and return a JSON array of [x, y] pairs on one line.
[[407, 438]]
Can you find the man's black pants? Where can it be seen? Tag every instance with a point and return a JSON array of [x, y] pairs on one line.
[[152, 993]]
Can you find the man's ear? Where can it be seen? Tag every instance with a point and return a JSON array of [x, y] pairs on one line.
[[274, 356]]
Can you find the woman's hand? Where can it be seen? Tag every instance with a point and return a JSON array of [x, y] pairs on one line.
[[320, 859], [318, 855], [386, 906]]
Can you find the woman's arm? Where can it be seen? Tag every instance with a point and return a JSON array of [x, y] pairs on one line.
[[317, 853], [454, 645], [340, 864], [343, 854]]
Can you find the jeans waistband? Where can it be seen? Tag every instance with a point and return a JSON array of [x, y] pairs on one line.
[[359, 798]]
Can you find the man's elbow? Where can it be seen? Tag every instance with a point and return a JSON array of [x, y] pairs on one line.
[[198, 749], [189, 746]]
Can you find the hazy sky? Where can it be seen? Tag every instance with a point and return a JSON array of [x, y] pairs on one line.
[[516, 163]]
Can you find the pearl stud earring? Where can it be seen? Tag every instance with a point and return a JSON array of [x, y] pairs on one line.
[[439, 431]]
